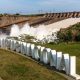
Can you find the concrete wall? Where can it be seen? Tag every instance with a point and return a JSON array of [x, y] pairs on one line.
[[7, 20], [61, 62], [65, 15], [11, 19]]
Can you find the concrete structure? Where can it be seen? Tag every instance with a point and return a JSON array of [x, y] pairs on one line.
[[37, 52], [46, 55], [7, 20], [18, 46], [59, 57], [64, 14], [62, 62], [23, 48], [53, 58]]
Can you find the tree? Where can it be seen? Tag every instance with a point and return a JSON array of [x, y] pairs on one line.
[[77, 38], [17, 14]]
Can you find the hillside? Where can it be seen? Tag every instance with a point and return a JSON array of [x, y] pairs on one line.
[[71, 33], [16, 67]]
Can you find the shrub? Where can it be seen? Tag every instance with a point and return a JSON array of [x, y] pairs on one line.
[[70, 34]]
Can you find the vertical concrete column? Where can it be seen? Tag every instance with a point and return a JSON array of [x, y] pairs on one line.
[[37, 52], [3, 43], [68, 15], [53, 58], [78, 14], [18, 46], [59, 57], [61, 15], [64, 65], [56, 15], [46, 55], [72, 65], [0, 42], [64, 15], [75, 14], [28, 49], [23, 48], [13, 45], [67, 64], [41, 54], [7, 43], [32, 50], [71, 14]]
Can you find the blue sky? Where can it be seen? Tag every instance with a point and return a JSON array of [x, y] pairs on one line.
[[37, 6]]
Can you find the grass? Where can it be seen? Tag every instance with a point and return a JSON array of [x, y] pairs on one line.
[[73, 48], [16, 67]]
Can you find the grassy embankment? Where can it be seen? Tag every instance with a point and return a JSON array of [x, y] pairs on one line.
[[16, 67], [73, 48], [70, 38]]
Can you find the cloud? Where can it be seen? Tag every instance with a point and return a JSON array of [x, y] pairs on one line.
[[35, 5], [58, 2]]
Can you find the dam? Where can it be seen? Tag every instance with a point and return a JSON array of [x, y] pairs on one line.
[[6, 21], [40, 26]]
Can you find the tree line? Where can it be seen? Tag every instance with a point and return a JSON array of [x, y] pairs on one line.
[[71, 33]]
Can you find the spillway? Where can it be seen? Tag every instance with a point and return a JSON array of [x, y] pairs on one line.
[[47, 32]]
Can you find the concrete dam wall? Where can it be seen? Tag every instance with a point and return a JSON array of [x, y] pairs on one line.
[[6, 21]]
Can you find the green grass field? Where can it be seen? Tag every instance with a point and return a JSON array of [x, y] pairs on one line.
[[72, 48], [16, 67]]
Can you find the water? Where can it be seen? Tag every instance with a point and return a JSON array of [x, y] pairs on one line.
[[15, 31], [3, 36], [41, 33]]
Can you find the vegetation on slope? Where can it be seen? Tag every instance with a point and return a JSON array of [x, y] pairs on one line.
[[72, 48], [16, 67], [70, 34]]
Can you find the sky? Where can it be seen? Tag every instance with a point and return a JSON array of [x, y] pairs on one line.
[[38, 6]]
